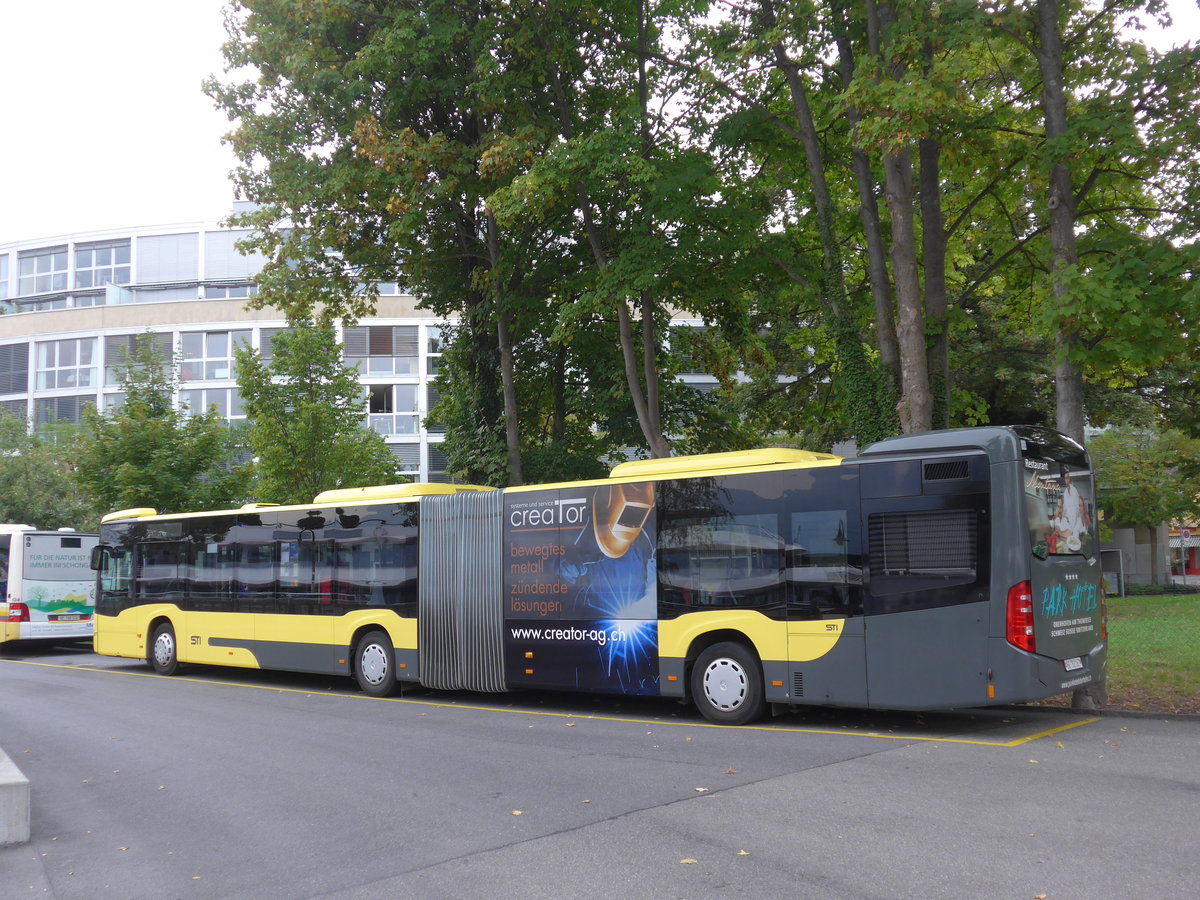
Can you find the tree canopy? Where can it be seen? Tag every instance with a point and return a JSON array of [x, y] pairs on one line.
[[893, 215], [305, 410], [37, 478], [147, 453]]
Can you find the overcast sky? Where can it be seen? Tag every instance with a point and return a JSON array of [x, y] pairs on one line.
[[105, 125]]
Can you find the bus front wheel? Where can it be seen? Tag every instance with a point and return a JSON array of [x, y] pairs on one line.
[[727, 685], [162, 654], [375, 664]]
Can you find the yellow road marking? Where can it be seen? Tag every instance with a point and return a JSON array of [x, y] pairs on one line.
[[441, 704]]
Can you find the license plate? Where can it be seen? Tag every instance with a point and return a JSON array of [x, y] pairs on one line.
[[1073, 664], [69, 618]]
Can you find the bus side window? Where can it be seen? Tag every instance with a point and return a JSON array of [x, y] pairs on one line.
[[305, 576], [728, 561], [357, 574], [208, 577], [254, 577], [398, 571], [158, 571], [822, 583]]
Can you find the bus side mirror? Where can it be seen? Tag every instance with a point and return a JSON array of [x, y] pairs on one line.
[[98, 554]]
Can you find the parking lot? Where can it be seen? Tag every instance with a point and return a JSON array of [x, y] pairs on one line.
[[227, 783]]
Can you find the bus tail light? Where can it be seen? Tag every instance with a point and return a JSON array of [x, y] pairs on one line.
[[1020, 617], [18, 612]]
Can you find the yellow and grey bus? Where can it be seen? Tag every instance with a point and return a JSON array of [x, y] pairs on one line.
[[950, 569]]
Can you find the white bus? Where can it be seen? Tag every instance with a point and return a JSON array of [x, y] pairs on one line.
[[47, 590]]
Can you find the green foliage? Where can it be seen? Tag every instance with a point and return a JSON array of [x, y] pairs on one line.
[[305, 412], [503, 164], [1145, 477], [37, 478], [147, 453]]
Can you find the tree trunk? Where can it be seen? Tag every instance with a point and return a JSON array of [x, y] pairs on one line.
[[859, 381], [648, 421], [512, 432], [933, 258], [916, 402], [1068, 382], [868, 216]]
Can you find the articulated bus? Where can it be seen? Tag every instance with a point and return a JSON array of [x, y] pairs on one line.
[[951, 569], [47, 590]]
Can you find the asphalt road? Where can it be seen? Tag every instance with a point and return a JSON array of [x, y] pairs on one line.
[[224, 783]]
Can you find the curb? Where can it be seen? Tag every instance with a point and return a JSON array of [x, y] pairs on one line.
[[1107, 713], [14, 803]]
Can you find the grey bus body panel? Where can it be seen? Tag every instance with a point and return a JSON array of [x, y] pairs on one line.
[[320, 659], [928, 659], [839, 678]]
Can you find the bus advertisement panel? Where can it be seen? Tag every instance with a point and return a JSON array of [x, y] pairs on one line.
[[580, 589]]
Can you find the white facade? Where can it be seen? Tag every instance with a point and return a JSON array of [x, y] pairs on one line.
[[76, 302]]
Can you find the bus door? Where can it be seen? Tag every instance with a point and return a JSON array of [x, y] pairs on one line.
[[927, 552], [303, 623], [823, 565]]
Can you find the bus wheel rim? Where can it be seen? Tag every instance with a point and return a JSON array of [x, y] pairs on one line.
[[725, 684], [373, 663], [164, 648]]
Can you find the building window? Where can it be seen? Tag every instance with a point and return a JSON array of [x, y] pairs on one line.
[[382, 349], [438, 461], [230, 291], [3, 276], [432, 396], [42, 271], [43, 305], [17, 408], [434, 345], [106, 262], [120, 348], [408, 457], [51, 410], [392, 408], [14, 368], [67, 363], [226, 401], [208, 355], [266, 342]]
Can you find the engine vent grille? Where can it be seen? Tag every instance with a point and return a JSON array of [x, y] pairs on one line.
[[947, 471], [797, 685]]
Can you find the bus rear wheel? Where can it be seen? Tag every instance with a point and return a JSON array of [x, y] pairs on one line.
[[727, 685], [375, 664], [162, 653]]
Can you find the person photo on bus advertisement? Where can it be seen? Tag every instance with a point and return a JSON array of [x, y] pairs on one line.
[[1074, 510], [1060, 528]]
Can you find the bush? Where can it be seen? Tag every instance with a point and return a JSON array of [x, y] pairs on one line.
[[1157, 590]]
